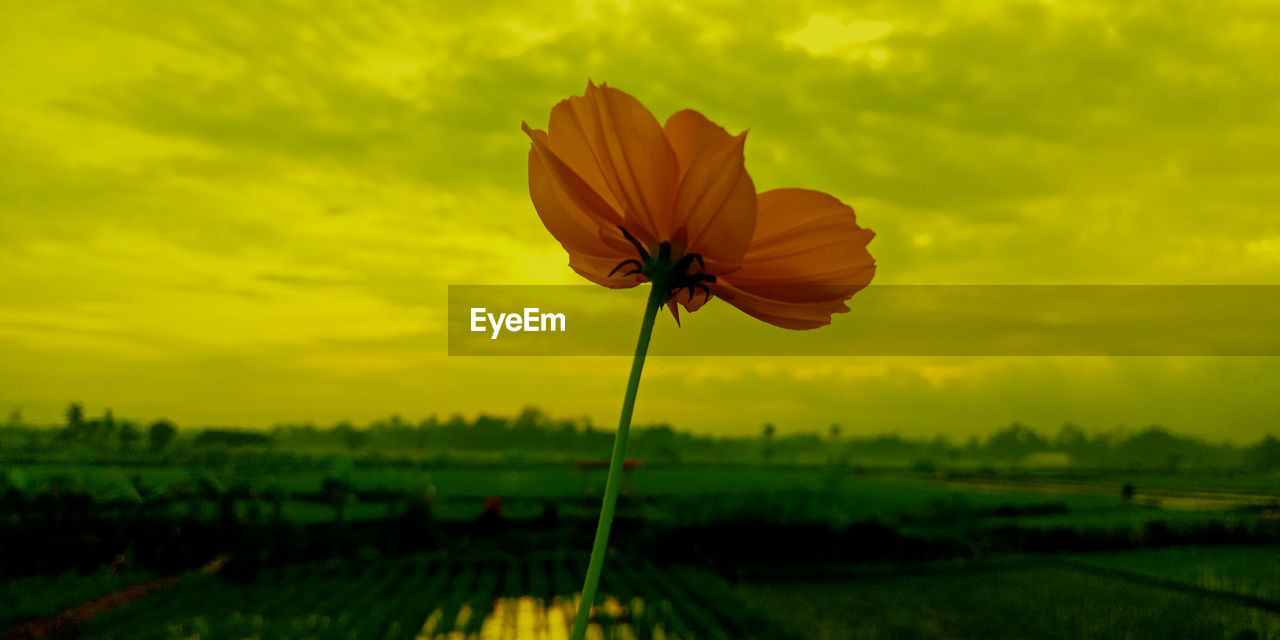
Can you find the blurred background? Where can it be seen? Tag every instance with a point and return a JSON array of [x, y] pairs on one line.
[[227, 232]]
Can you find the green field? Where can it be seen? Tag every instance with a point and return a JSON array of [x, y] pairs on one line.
[[921, 501], [1252, 572], [497, 596], [752, 554], [438, 596], [39, 596], [1036, 598]]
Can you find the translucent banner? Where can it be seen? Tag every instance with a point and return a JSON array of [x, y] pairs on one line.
[[884, 320]]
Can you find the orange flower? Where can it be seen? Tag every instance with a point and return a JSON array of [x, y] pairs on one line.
[[635, 201]]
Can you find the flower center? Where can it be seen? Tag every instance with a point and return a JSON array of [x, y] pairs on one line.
[[663, 272]]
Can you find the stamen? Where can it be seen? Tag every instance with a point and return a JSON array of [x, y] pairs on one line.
[[687, 260], [676, 275]]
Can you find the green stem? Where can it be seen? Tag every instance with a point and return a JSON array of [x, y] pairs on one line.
[[656, 299]]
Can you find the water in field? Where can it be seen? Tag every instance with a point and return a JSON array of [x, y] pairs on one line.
[[529, 618]]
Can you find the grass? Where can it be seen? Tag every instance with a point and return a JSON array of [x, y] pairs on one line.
[[1249, 571], [1043, 602], [435, 596], [39, 596], [915, 503]]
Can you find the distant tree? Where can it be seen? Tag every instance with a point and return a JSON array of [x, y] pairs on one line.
[[972, 446], [1266, 454], [530, 418], [488, 426], [567, 427], [15, 418], [103, 429], [1155, 447], [834, 431], [767, 435], [1015, 441], [356, 439], [75, 416], [129, 435], [1070, 437], [75, 427], [232, 438], [341, 429], [160, 434]]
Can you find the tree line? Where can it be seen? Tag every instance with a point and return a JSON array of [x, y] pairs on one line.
[[532, 434]]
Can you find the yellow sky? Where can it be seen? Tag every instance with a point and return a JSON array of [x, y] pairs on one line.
[[245, 214]]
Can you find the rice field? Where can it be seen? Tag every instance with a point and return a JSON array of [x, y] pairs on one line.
[[1033, 599], [1248, 571], [434, 597]]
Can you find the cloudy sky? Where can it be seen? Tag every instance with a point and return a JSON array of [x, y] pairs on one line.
[[250, 214]]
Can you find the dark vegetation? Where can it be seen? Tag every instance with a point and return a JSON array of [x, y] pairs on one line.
[[104, 497], [425, 595], [532, 436], [1015, 598]]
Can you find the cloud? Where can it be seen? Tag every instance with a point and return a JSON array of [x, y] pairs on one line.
[[825, 35], [296, 185]]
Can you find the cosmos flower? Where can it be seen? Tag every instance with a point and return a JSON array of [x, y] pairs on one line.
[[636, 201]]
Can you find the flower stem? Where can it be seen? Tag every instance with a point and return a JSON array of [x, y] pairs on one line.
[[657, 296]]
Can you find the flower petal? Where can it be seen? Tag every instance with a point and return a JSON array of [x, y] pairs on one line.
[[715, 207], [561, 180], [788, 315], [577, 217], [692, 302], [619, 149], [575, 228], [571, 135], [807, 256]]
